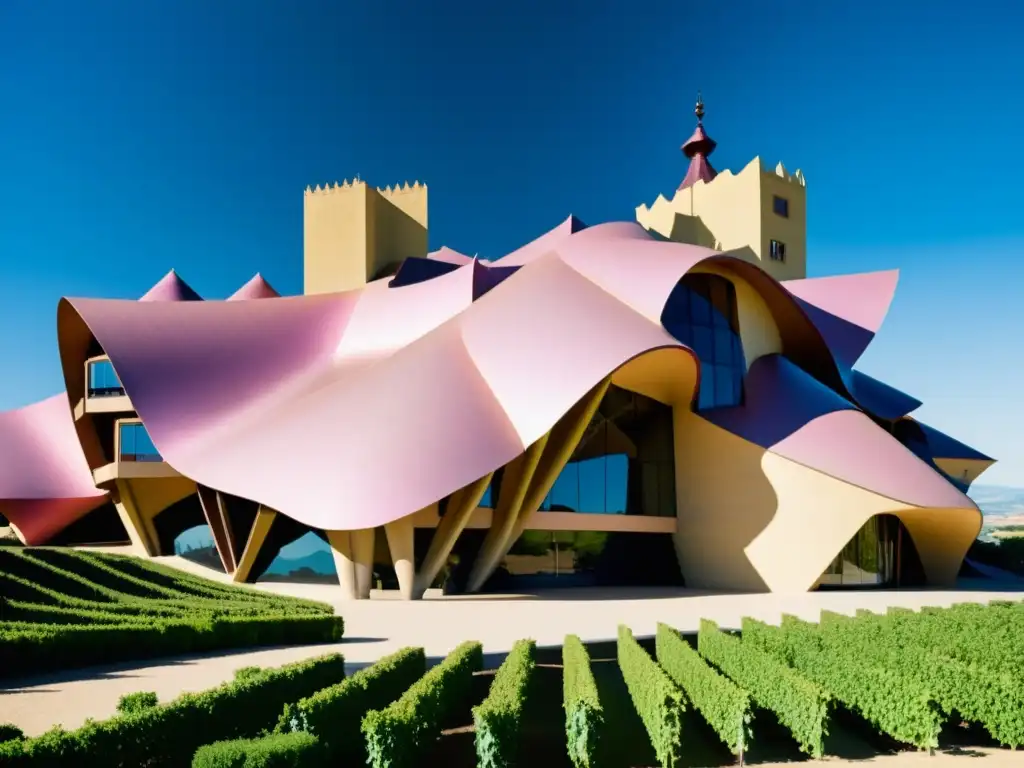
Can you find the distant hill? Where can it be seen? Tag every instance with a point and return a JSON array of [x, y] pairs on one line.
[[320, 562], [998, 502]]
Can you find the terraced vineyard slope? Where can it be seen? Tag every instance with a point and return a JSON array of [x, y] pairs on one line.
[[63, 608]]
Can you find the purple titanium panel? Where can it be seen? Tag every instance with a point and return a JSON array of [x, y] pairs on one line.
[[846, 340], [444, 253], [486, 277], [779, 399], [942, 446], [861, 299], [417, 270], [880, 399]]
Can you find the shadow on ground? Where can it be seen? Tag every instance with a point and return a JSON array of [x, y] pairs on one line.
[[543, 742], [128, 669]]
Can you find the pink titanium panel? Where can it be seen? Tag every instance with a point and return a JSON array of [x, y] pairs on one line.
[[347, 411], [256, 288], [45, 483]]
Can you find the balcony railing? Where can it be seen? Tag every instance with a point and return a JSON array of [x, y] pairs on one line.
[[141, 457]]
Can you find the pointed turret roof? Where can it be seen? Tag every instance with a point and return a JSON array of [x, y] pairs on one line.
[[256, 288], [697, 148], [171, 288]]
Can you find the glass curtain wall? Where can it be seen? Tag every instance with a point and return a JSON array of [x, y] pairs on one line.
[[624, 463], [701, 313], [871, 557]]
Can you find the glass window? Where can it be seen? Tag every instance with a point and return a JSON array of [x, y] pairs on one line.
[[704, 343], [780, 206], [103, 382], [136, 444], [624, 464], [777, 251], [711, 330], [869, 558]]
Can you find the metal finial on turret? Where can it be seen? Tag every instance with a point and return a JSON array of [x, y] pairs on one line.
[[699, 109]]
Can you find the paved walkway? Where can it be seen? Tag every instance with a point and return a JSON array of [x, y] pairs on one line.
[[376, 627]]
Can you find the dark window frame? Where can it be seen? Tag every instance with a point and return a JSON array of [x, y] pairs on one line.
[[780, 206], [777, 251]]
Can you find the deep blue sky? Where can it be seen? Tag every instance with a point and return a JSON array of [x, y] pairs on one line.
[[137, 137]]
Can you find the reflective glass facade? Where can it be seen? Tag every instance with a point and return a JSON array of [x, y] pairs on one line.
[[103, 382], [880, 554], [624, 463], [135, 444], [559, 559], [701, 313]]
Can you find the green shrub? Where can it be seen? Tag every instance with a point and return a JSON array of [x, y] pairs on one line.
[[279, 750], [15, 562], [498, 720], [131, 703], [584, 716], [97, 572], [397, 734], [46, 647], [243, 672], [190, 584], [10, 732], [977, 693], [724, 705], [34, 613], [801, 707], [659, 701], [335, 714], [169, 734], [888, 698]]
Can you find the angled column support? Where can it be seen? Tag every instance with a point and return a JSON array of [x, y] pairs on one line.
[[544, 460], [220, 526], [562, 443], [460, 507], [515, 484], [140, 531], [400, 542], [257, 537]]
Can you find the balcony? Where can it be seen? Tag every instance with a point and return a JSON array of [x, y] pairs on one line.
[[103, 392], [137, 457]]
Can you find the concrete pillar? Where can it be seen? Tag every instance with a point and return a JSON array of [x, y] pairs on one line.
[[362, 560], [400, 542], [341, 549]]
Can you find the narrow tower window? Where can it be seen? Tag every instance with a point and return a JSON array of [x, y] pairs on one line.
[[781, 206], [777, 251]]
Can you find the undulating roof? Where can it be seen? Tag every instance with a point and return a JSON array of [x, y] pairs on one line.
[[440, 381]]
